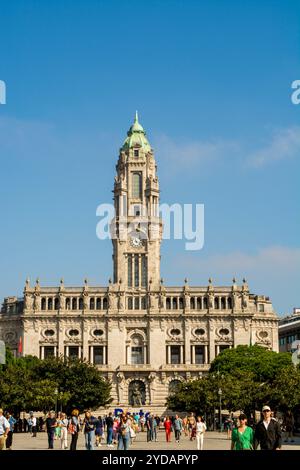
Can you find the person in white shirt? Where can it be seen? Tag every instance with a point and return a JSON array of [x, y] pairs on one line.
[[200, 430], [4, 429], [34, 427], [63, 424]]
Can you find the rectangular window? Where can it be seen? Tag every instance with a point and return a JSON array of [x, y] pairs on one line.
[[136, 271], [199, 354], [48, 351], [98, 355], [73, 351], [136, 153], [137, 185], [137, 355], [144, 271], [261, 308], [129, 261], [175, 354]]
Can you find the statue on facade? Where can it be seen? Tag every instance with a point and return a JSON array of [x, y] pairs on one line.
[[37, 301], [152, 386], [121, 300], [136, 396], [28, 302], [120, 386]]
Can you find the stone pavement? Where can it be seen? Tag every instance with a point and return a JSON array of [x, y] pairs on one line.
[[212, 441]]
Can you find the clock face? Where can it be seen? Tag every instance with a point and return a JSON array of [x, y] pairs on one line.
[[136, 242]]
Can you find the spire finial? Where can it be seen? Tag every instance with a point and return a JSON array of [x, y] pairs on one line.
[[136, 119]]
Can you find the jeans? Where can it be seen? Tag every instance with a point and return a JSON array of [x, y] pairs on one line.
[[89, 440], [50, 438], [123, 442], [177, 434], [109, 435]]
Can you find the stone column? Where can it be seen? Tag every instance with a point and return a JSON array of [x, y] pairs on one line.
[[212, 352], [42, 352], [104, 355], [181, 354], [205, 354], [218, 350], [85, 346], [193, 355], [169, 354], [145, 354], [187, 345], [127, 355], [61, 350]]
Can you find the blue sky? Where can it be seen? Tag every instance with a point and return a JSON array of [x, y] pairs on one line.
[[212, 83]]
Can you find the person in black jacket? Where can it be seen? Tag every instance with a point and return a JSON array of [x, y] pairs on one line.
[[267, 432]]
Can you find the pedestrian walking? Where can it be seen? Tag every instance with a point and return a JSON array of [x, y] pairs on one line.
[[288, 426], [109, 429], [89, 428], [63, 424], [4, 429], [267, 432], [51, 424], [74, 428], [177, 428], [12, 421], [124, 432], [200, 430], [242, 435], [168, 428]]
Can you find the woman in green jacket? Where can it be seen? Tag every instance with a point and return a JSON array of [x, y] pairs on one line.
[[242, 436]]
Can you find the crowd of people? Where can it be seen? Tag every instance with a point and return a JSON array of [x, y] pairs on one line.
[[120, 430]]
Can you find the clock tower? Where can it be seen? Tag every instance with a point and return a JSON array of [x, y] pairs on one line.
[[136, 228]]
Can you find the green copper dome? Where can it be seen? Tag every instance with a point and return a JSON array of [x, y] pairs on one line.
[[136, 136]]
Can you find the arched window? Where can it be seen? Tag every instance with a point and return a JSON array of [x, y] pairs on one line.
[[105, 303], [74, 303], [136, 185], [192, 303], [229, 303], [50, 303], [223, 303], [199, 303], [168, 303], [43, 303], [217, 304], [92, 303], [80, 304], [174, 303], [181, 303], [130, 303], [98, 303], [205, 303], [68, 303], [56, 303], [136, 303], [137, 350]]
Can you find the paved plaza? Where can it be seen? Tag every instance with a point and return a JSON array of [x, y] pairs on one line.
[[212, 441]]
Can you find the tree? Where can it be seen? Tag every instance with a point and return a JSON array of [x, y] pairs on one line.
[[264, 364], [28, 383]]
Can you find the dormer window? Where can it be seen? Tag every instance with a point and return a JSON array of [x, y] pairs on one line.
[[136, 153]]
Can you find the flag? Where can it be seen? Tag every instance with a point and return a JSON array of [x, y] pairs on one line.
[[20, 346]]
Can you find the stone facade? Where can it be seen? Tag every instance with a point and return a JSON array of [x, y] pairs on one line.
[[144, 337]]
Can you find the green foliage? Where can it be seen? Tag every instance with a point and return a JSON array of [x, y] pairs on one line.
[[249, 376], [28, 383], [264, 364]]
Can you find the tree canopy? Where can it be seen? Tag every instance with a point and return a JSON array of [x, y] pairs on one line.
[[28, 383]]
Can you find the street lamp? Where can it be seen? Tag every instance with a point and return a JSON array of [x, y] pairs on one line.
[[56, 393], [220, 408]]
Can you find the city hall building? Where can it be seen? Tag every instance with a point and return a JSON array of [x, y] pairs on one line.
[[144, 336]]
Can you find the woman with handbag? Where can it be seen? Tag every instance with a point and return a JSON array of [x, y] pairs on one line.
[[200, 429], [124, 432], [242, 435], [74, 428]]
